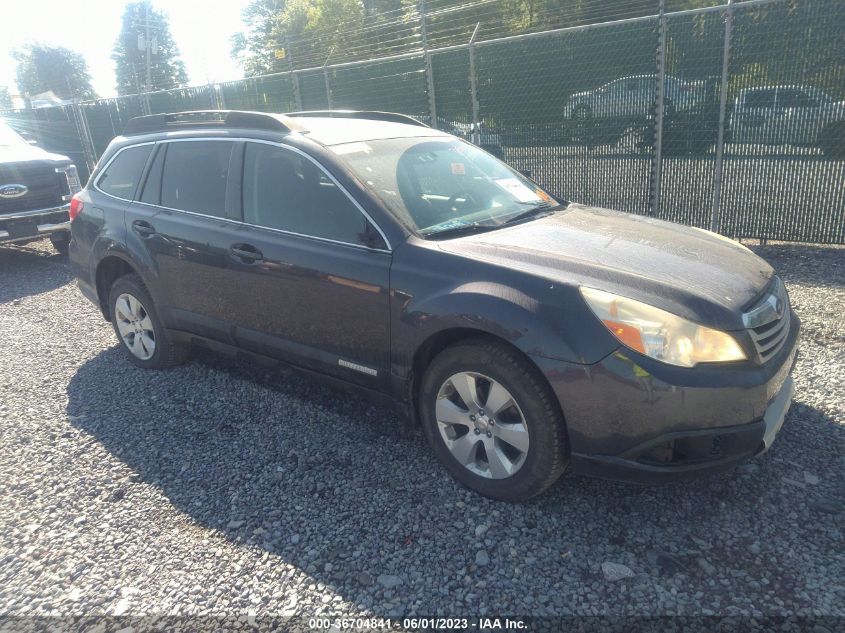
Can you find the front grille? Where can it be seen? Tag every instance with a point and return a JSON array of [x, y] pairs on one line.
[[769, 320], [46, 187]]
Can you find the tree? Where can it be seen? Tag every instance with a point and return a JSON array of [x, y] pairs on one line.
[[256, 46], [43, 68], [167, 70], [310, 31], [5, 98]]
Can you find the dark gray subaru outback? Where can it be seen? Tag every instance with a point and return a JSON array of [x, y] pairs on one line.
[[526, 334]]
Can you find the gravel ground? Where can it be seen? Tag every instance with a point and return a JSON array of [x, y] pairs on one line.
[[223, 489]]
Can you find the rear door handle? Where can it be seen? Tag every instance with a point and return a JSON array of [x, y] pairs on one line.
[[142, 228], [246, 253]]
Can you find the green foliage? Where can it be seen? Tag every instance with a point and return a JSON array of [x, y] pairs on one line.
[[42, 68], [255, 47], [5, 98], [166, 67]]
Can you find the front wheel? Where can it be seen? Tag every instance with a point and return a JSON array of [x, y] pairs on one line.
[[140, 331], [493, 421]]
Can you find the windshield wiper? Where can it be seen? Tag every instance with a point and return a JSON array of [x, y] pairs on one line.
[[462, 229], [538, 209]]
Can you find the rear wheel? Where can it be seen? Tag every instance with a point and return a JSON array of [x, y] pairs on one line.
[[60, 241], [493, 421], [140, 331]]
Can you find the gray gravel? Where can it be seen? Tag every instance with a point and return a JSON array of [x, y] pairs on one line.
[[220, 488]]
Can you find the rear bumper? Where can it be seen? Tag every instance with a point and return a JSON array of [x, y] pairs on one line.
[[631, 418], [31, 225]]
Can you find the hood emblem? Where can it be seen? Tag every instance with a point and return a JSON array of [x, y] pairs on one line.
[[13, 191]]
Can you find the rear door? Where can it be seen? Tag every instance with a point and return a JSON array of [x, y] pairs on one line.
[[313, 270], [182, 223]]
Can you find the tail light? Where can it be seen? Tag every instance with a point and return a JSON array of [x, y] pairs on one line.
[[76, 207]]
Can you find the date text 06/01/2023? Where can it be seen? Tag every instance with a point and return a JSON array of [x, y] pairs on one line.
[[420, 624]]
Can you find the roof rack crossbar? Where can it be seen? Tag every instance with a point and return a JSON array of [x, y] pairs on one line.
[[207, 119], [372, 115]]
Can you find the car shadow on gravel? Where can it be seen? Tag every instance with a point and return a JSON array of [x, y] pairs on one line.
[[30, 270], [323, 481]]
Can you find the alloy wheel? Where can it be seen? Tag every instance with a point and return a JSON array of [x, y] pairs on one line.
[[482, 425], [135, 326]]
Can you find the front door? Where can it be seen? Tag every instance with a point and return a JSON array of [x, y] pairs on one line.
[[314, 272]]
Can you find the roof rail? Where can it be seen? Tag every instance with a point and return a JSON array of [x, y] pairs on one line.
[[195, 119], [372, 115]]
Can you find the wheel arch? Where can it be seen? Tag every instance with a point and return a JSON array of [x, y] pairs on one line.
[[109, 269], [449, 337]]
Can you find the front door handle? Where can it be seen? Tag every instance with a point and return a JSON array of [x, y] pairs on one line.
[[142, 228], [246, 253]]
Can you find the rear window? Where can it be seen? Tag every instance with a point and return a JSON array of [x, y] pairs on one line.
[[195, 176], [122, 175]]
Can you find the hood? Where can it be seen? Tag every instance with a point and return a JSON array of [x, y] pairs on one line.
[[691, 272], [23, 152]]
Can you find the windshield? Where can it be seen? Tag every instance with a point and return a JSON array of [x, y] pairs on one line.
[[436, 185], [9, 137]]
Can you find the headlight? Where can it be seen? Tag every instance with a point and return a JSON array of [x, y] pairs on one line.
[[660, 334]]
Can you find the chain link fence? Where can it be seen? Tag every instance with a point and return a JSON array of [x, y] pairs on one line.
[[728, 117]]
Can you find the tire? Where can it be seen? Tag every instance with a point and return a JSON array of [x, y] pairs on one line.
[[164, 352], [60, 241], [506, 473]]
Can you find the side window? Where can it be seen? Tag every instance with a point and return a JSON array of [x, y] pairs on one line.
[[283, 190], [195, 176], [123, 174], [760, 99], [790, 98], [152, 188]]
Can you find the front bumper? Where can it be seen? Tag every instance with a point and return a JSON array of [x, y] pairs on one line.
[[31, 225], [634, 419]]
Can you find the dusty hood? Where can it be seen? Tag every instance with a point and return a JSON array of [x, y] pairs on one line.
[[691, 272]]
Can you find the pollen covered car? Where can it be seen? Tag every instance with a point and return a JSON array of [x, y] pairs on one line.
[[526, 334]]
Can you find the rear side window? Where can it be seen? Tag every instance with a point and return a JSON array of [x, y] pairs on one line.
[[195, 176], [122, 175], [283, 190]]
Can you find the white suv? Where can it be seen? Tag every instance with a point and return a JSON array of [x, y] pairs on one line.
[[789, 115], [634, 96]]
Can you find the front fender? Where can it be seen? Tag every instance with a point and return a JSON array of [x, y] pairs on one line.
[[544, 324]]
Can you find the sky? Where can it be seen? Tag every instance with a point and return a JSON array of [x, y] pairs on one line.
[[201, 29]]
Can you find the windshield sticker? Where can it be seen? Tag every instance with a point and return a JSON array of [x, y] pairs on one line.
[[517, 189], [352, 148], [459, 169]]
